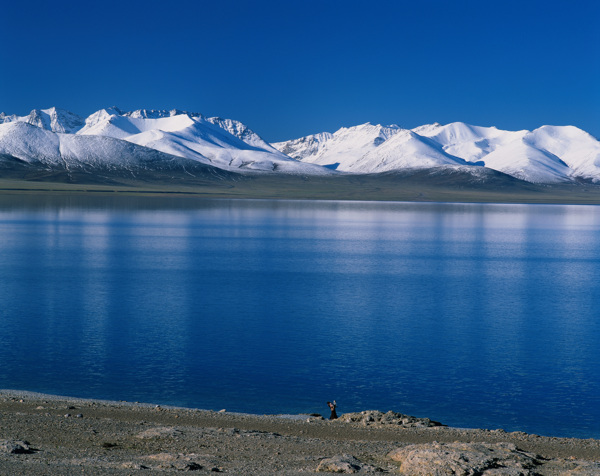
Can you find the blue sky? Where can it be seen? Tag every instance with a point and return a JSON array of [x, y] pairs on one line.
[[292, 68]]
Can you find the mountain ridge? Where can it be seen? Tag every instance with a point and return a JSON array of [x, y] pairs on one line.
[[223, 143], [546, 155]]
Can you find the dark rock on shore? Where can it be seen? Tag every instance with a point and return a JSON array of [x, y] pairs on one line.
[[345, 464], [390, 418], [14, 447]]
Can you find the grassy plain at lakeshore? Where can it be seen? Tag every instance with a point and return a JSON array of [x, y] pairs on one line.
[[418, 185]]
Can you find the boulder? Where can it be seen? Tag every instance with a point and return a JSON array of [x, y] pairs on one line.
[[344, 464], [464, 459], [390, 418], [14, 447], [174, 461]]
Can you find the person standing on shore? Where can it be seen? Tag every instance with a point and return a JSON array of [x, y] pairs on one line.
[[332, 406]]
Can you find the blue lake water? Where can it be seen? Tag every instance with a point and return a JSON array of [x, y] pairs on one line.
[[473, 315]]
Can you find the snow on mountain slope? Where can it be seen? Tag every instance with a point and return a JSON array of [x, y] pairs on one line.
[[470, 143], [53, 119], [549, 154], [304, 146], [341, 149], [521, 160], [504, 151], [113, 123], [38, 146], [224, 143], [576, 148], [405, 149], [243, 132], [29, 143], [369, 148]]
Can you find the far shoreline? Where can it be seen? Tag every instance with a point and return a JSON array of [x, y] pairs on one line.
[[343, 188]]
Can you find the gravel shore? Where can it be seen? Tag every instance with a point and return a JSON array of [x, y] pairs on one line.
[[47, 435]]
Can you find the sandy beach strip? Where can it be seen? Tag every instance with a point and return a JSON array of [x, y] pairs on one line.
[[50, 435]]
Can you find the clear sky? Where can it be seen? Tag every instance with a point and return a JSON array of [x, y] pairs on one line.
[[291, 68]]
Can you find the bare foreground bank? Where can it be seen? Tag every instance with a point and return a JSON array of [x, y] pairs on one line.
[[47, 435]]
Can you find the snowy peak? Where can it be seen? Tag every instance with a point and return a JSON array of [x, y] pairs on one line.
[[224, 143], [56, 120], [521, 160], [367, 134], [548, 154], [109, 135], [158, 113], [113, 122], [53, 119], [576, 148], [471, 143], [405, 149], [455, 132], [241, 131], [28, 149], [427, 129], [101, 116], [120, 125], [339, 150], [304, 146], [545, 155]]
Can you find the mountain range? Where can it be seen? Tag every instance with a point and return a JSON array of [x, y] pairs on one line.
[[151, 140], [549, 154]]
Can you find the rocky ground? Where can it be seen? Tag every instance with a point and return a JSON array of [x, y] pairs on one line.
[[43, 435]]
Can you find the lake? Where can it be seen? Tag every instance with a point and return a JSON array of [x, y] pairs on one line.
[[475, 315]]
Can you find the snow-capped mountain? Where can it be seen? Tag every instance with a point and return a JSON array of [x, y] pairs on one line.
[[549, 154], [308, 146], [404, 150], [222, 143], [546, 155], [53, 119], [340, 149], [117, 139], [28, 145]]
